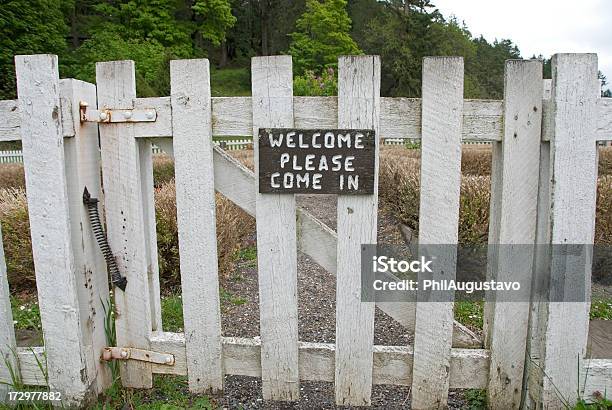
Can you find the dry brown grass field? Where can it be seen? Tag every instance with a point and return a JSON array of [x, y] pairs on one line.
[[399, 193]]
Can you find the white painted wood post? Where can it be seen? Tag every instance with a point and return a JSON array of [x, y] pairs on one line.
[[50, 225], [516, 225], [126, 217], [538, 310], [196, 219], [438, 223], [82, 159], [358, 107], [145, 156], [8, 345], [573, 167], [493, 239], [272, 85]]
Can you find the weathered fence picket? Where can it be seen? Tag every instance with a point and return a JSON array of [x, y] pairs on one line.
[[196, 219], [543, 190], [51, 229], [438, 224], [82, 165], [8, 345], [359, 108], [515, 218], [276, 239], [125, 217], [573, 165]]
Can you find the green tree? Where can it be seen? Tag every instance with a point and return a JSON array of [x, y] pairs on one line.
[[214, 18], [403, 32], [322, 35], [28, 27], [146, 20], [546, 63], [150, 32], [150, 57], [488, 66], [603, 83]]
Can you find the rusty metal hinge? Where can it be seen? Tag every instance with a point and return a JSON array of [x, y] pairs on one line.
[[131, 353], [116, 115]]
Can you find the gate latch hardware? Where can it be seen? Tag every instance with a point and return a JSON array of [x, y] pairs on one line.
[[115, 115], [96, 226], [131, 353]]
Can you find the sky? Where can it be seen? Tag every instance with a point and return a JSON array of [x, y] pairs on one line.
[[541, 26]]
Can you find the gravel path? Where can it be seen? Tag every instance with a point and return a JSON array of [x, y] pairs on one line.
[[245, 392], [316, 289], [317, 311]]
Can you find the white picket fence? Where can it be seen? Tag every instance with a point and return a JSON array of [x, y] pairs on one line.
[[545, 149], [225, 144], [11, 157], [16, 156]]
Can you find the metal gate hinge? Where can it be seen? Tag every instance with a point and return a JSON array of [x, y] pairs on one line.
[[131, 353], [114, 115]]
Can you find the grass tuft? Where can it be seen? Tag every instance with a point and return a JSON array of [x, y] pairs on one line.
[[476, 399], [26, 314], [601, 309], [470, 313]]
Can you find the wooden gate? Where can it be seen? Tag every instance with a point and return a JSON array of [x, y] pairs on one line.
[[543, 191]]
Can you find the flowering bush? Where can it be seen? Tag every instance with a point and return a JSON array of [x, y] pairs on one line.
[[312, 85]]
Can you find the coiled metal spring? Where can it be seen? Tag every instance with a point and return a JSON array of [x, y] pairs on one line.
[[96, 226]]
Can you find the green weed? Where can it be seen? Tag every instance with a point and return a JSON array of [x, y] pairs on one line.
[[168, 392], [26, 314], [601, 309], [476, 399], [470, 313], [172, 313], [17, 385], [412, 144], [598, 402], [172, 309], [228, 297], [247, 256]]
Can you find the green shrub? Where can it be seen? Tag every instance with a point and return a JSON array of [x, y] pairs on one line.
[[310, 84]]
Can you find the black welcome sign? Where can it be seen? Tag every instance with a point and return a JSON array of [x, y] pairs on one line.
[[323, 161]]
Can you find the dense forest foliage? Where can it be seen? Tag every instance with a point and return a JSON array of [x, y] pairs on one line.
[[229, 32]]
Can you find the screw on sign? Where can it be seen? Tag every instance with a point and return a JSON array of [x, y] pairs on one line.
[[327, 161]]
